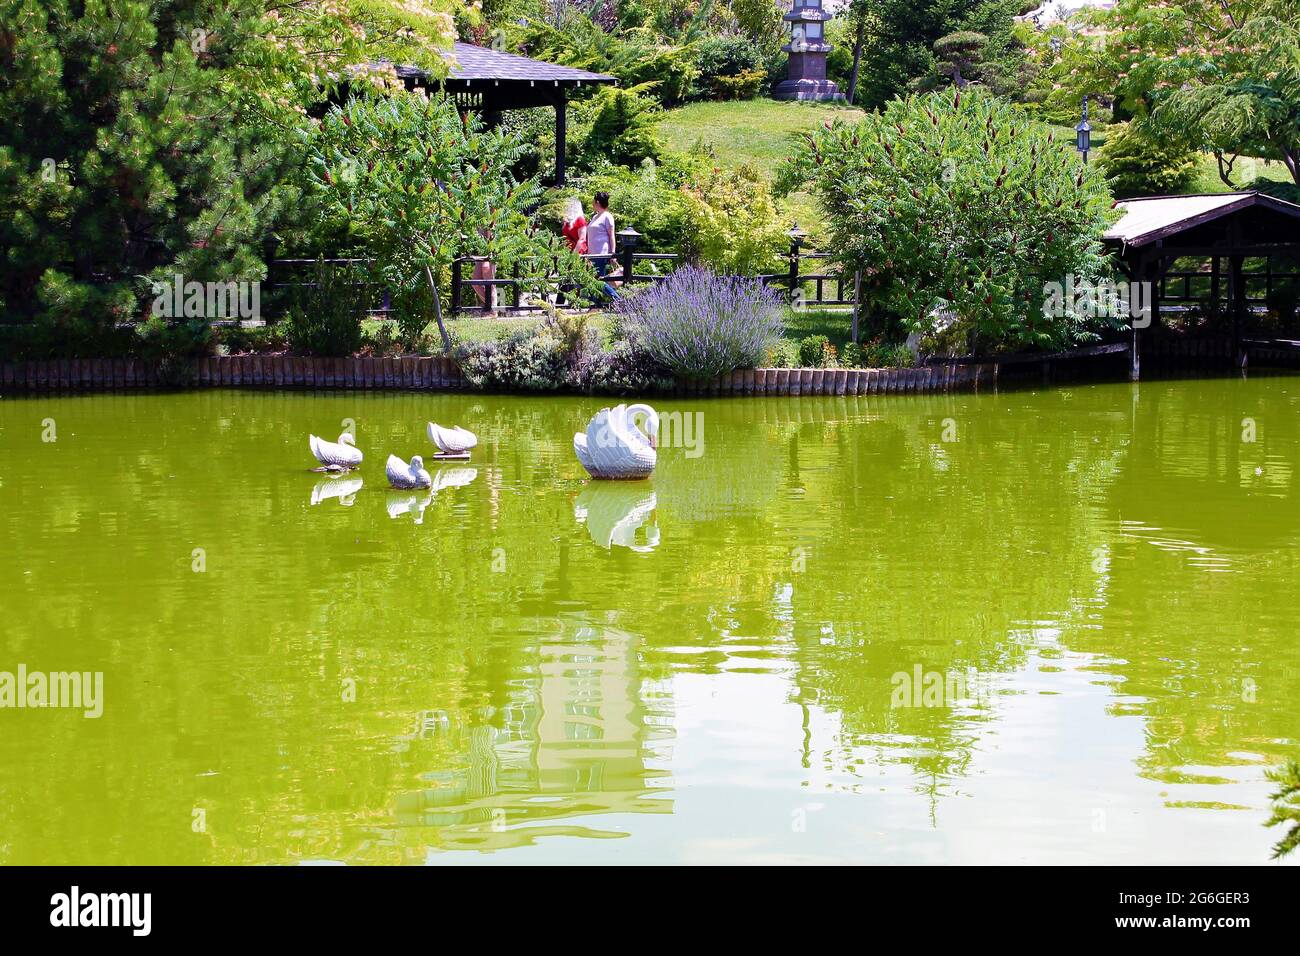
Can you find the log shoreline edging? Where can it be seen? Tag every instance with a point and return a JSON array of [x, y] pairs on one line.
[[438, 373]]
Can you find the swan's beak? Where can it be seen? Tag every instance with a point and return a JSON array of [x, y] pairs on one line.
[[654, 441]]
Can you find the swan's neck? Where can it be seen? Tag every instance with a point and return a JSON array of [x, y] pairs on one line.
[[651, 422]]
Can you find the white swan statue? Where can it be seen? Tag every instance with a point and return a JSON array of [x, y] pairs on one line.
[[403, 476], [339, 456], [452, 442], [344, 489], [614, 447]]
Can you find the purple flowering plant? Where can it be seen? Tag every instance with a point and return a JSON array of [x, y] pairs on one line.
[[698, 324]]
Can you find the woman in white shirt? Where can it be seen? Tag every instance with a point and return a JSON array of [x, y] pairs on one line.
[[600, 239]]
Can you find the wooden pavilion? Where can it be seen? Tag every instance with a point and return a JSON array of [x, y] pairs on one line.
[[1225, 230], [490, 82]]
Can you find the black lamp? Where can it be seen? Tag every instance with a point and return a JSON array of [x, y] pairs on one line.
[[1083, 133]]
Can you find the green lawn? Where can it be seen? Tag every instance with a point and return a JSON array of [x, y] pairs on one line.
[[754, 132]]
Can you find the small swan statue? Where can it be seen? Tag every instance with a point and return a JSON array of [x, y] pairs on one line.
[[336, 457], [403, 476], [452, 442]]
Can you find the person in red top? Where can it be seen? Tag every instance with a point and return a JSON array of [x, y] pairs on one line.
[[575, 227]]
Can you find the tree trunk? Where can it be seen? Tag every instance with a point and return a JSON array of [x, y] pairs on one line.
[[1292, 162], [857, 60], [1225, 169], [437, 311]]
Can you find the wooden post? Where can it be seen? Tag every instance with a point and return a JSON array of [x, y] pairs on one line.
[[625, 257], [561, 122], [456, 280], [1215, 283], [794, 271], [1237, 265]]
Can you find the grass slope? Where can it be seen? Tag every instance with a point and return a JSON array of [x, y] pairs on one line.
[[753, 132]]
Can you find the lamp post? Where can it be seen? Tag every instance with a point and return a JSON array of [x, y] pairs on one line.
[[628, 241], [797, 236], [1083, 132]]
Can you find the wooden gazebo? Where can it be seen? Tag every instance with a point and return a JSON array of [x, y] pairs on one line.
[[1225, 229], [489, 82]]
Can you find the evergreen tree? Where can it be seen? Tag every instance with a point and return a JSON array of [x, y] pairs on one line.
[[148, 137]]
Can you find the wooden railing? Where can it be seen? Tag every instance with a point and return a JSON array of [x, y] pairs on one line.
[[1186, 288]]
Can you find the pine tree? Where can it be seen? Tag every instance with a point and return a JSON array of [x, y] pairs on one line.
[[147, 137]]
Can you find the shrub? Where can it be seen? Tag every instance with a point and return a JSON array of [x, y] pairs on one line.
[[325, 312], [881, 354], [235, 339], [412, 311], [528, 361], [697, 324], [171, 344], [617, 125], [543, 359], [735, 226], [625, 369], [815, 351], [782, 354], [1136, 165], [730, 67], [957, 196], [634, 56], [851, 356]]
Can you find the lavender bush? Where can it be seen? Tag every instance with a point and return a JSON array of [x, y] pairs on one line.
[[697, 324]]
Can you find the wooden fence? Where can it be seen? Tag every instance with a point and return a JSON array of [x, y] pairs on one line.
[[442, 374]]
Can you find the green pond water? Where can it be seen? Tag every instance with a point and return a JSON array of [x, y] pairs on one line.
[[1033, 626]]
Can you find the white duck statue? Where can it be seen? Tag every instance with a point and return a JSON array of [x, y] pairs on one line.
[[614, 446], [342, 455], [454, 442], [403, 476]]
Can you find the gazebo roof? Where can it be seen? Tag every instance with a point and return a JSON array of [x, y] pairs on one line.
[[470, 62], [1160, 217], [478, 69]]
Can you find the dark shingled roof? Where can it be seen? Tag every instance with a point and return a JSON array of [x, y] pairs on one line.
[[478, 64]]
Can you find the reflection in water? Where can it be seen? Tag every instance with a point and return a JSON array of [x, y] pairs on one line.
[[619, 513], [1111, 569], [414, 503], [452, 477], [575, 740], [401, 503], [344, 489]]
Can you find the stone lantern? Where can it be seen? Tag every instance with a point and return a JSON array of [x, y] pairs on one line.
[[807, 49]]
